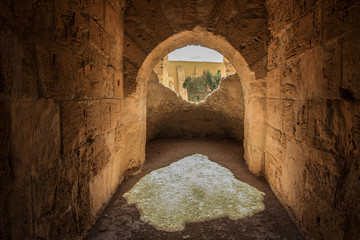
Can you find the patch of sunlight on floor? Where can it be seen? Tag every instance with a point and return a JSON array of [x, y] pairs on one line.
[[192, 189]]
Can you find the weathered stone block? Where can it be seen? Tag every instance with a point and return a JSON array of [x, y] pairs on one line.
[[301, 7], [5, 133], [57, 71], [340, 18], [45, 200], [288, 118], [95, 81], [21, 207], [300, 119], [26, 86], [273, 84], [258, 89], [274, 55], [254, 157], [275, 144], [35, 146], [328, 122], [105, 116], [117, 111], [118, 84], [254, 49], [245, 27], [351, 70], [307, 30], [130, 141], [71, 26], [98, 153], [304, 33], [274, 113], [321, 71], [10, 61], [113, 21], [332, 70], [5, 168], [132, 52], [139, 33], [255, 121], [293, 175], [66, 226], [35, 135], [95, 9], [350, 138], [115, 55], [99, 39], [321, 222], [80, 123], [103, 185], [273, 173], [280, 13], [259, 67], [323, 171], [68, 187], [292, 85]]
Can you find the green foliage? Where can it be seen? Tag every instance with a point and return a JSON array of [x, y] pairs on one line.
[[199, 87]]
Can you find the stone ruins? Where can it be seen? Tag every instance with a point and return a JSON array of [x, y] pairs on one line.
[[80, 102]]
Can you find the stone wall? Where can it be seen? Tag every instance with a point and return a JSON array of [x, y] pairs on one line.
[[221, 115], [149, 23], [313, 114], [62, 124], [70, 131], [179, 70], [172, 74], [236, 29]]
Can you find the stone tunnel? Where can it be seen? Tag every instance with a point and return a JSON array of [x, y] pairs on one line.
[[80, 103]]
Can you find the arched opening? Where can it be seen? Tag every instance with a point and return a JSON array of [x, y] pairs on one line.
[[254, 105], [241, 82], [69, 136], [174, 111], [198, 36], [193, 72]]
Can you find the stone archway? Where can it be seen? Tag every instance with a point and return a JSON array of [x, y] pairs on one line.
[[253, 99]]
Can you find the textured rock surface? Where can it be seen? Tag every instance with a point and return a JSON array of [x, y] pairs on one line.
[[65, 100], [221, 115], [121, 220], [149, 23], [312, 137], [62, 126], [192, 189]]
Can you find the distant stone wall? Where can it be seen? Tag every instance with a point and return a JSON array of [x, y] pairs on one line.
[[172, 74], [220, 116]]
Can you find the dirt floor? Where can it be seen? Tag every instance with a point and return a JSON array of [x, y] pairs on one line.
[[122, 221]]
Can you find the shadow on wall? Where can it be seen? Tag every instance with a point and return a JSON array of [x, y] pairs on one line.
[[221, 115]]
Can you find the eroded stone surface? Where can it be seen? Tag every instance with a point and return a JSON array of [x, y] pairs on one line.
[[190, 190], [310, 121], [121, 220], [221, 115], [61, 87], [62, 95]]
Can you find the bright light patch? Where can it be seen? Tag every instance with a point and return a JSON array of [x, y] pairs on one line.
[[195, 53], [192, 189]]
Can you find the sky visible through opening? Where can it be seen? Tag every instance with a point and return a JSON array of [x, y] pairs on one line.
[[195, 53]]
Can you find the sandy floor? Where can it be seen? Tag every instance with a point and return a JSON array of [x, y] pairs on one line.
[[122, 221]]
